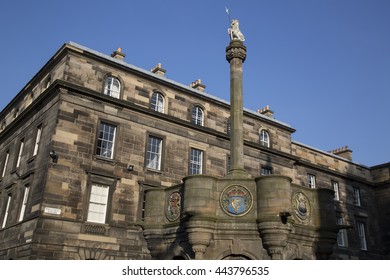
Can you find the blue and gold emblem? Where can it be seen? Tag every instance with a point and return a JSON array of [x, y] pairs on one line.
[[236, 200]]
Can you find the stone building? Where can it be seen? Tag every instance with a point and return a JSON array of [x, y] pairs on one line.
[[100, 159]]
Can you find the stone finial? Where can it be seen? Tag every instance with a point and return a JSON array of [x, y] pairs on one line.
[[118, 54], [266, 111], [344, 152], [158, 70], [198, 85]]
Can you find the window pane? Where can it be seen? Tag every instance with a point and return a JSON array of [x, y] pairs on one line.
[[157, 102], [21, 146], [153, 154], [336, 191], [106, 138], [362, 236], [112, 87], [196, 161], [98, 204], [197, 115], [264, 138], [37, 140], [6, 212], [24, 203], [5, 163]]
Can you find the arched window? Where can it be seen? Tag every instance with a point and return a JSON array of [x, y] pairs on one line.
[[264, 138], [197, 116], [157, 102], [112, 87]]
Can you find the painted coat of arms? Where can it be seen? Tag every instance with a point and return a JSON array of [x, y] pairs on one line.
[[236, 200], [174, 206], [301, 205]]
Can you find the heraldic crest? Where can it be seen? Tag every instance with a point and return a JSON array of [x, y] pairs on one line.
[[236, 200]]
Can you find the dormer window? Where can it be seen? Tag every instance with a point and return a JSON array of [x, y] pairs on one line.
[[157, 102], [112, 87], [197, 116], [264, 138]]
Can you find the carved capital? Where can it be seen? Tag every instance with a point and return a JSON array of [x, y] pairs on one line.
[[235, 50]]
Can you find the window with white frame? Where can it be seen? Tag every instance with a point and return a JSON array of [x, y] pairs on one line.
[[356, 197], [311, 180], [37, 140], [197, 116], [21, 147], [341, 236], [98, 200], [5, 164], [265, 170], [196, 161], [362, 235], [106, 140], [335, 186], [112, 87], [157, 102], [264, 138], [154, 153], [24, 203], [5, 217]]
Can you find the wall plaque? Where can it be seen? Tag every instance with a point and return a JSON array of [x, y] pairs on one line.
[[301, 206], [174, 206], [236, 200]]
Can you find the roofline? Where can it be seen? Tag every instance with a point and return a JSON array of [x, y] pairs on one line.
[[329, 154], [73, 45]]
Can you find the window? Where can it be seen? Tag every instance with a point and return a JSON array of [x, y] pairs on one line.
[[341, 236], [5, 164], [6, 211], [228, 163], [311, 181], [356, 197], [21, 146], [362, 236], [153, 153], [97, 209], [37, 140], [265, 170], [24, 203], [106, 139], [197, 116], [264, 138], [157, 102], [196, 161], [228, 126], [336, 190], [112, 87]]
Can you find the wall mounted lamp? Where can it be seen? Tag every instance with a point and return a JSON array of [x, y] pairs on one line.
[[130, 168], [53, 156]]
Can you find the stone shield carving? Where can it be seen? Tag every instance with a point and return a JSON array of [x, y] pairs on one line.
[[174, 206], [301, 206], [236, 200]]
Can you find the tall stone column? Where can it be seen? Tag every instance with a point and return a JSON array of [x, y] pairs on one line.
[[235, 55]]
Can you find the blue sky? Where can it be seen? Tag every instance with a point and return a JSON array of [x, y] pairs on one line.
[[323, 66]]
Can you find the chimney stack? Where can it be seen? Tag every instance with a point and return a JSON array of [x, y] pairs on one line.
[[343, 152], [198, 85], [118, 54], [266, 111], [158, 70]]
